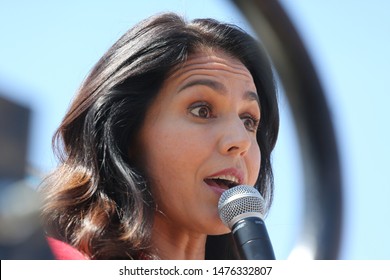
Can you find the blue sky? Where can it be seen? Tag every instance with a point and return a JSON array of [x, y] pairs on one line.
[[48, 47]]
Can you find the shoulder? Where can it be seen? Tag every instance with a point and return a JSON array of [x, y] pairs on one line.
[[64, 251]]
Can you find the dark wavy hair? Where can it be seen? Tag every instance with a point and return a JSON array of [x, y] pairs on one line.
[[96, 199]]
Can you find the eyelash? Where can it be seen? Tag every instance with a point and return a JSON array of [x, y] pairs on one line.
[[252, 128], [256, 122], [201, 105]]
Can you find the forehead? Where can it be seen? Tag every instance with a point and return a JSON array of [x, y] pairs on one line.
[[211, 62]]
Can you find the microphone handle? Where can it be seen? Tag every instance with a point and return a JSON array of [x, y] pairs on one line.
[[252, 240]]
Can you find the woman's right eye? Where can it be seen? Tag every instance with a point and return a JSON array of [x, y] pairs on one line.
[[201, 110]]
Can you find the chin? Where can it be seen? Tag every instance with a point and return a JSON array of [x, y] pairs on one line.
[[219, 230]]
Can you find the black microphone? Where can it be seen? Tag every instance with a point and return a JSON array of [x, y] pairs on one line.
[[242, 209]]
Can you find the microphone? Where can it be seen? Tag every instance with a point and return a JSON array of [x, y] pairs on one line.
[[242, 209]]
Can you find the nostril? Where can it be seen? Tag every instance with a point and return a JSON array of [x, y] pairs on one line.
[[232, 148]]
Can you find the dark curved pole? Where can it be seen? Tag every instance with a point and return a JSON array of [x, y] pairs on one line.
[[321, 233]]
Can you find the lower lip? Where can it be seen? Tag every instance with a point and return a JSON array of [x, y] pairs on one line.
[[217, 189]]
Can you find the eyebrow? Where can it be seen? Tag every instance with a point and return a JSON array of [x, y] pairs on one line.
[[220, 88]]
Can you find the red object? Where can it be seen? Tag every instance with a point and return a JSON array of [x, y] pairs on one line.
[[64, 251]]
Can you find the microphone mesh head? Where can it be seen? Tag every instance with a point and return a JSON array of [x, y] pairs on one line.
[[238, 201]]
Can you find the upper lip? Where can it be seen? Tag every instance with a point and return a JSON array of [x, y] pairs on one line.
[[230, 174]]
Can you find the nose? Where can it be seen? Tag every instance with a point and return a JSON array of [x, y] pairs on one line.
[[235, 138]]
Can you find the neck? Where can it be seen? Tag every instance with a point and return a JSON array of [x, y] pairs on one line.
[[172, 242]]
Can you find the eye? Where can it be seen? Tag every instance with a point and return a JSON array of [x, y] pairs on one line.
[[251, 123], [201, 110]]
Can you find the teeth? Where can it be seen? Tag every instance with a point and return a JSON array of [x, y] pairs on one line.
[[230, 178]]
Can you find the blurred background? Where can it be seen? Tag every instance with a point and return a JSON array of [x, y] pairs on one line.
[[47, 48]]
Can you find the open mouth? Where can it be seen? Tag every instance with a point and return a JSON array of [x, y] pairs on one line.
[[223, 183]]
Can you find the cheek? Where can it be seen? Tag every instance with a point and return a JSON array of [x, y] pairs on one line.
[[254, 163], [158, 160], [171, 158], [166, 155]]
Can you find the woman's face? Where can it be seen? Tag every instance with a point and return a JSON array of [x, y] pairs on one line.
[[199, 139]]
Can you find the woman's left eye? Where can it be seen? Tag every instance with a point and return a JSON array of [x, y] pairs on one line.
[[251, 123]]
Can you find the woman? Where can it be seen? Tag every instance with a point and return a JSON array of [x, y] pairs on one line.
[[171, 116]]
